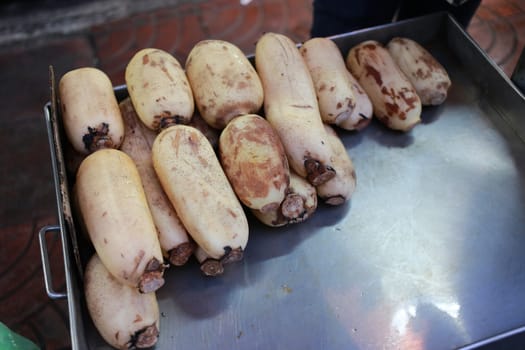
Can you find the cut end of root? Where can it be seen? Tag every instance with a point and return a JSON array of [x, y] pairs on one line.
[[181, 253], [293, 206], [212, 267], [97, 138], [166, 121], [152, 279], [232, 255], [150, 282], [318, 173], [145, 338]]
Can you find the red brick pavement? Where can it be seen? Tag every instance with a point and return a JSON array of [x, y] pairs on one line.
[[177, 30], [499, 28]]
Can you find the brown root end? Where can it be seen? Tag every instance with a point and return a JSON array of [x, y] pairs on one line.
[[97, 138], [317, 173], [179, 255], [212, 267], [167, 121], [231, 255], [152, 278], [151, 281], [146, 338], [292, 206]]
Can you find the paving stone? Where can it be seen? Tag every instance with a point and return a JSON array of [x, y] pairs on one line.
[[26, 163], [21, 281], [116, 43], [177, 30], [26, 70], [501, 37], [27, 191]]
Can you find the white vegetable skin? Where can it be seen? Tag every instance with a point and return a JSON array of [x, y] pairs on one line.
[[395, 101], [90, 111], [330, 76], [339, 189], [224, 83], [291, 107], [159, 89], [254, 161], [363, 111], [426, 74], [196, 185], [123, 316], [173, 237], [118, 220]]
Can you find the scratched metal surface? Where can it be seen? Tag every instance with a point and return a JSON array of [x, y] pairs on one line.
[[428, 254]]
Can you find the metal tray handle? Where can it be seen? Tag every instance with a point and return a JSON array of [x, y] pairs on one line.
[[45, 262]]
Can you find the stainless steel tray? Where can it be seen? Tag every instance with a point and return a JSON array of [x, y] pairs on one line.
[[427, 254]]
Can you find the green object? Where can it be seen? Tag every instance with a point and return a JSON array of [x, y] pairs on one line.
[[10, 340]]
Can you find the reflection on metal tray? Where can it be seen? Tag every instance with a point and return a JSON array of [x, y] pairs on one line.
[[427, 254]]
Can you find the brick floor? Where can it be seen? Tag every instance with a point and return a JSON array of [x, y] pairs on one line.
[[27, 189], [498, 29], [177, 30]]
